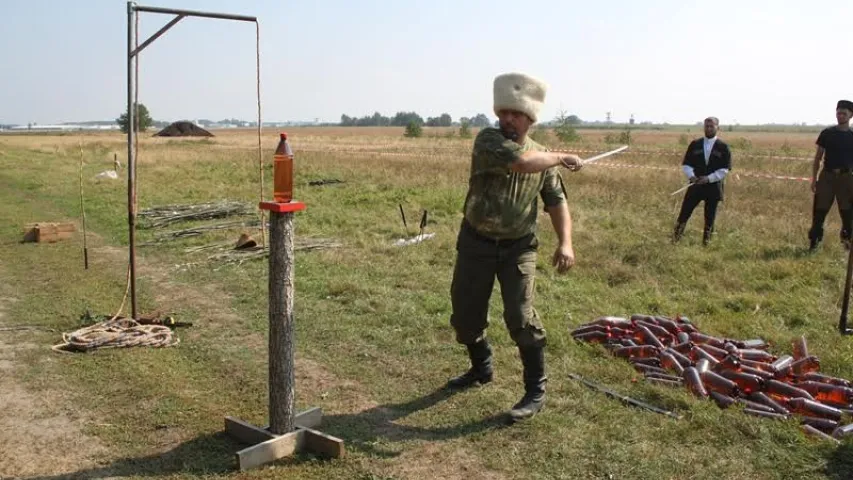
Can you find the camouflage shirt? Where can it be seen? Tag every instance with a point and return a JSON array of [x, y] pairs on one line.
[[502, 204]]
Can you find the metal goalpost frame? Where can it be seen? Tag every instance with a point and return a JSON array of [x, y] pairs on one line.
[[133, 10]]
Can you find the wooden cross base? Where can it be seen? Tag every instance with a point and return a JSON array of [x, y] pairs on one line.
[[268, 447]]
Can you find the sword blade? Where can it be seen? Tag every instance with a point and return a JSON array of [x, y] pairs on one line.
[[606, 154], [681, 189]]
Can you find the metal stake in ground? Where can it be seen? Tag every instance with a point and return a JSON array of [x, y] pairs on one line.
[[842, 322], [287, 433]]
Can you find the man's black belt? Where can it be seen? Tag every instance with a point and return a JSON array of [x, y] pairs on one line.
[[469, 229]]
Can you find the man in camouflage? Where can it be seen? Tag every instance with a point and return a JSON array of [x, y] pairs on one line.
[[509, 174]]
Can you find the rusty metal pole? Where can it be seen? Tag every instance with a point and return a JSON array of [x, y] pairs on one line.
[[133, 9], [131, 159]]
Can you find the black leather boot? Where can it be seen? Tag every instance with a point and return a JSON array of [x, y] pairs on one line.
[[706, 236], [678, 232], [481, 371], [816, 231], [533, 360]]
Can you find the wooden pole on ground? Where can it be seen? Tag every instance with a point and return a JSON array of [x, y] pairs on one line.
[[281, 389], [287, 434]]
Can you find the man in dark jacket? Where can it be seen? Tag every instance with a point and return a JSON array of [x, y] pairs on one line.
[[706, 163], [835, 149]]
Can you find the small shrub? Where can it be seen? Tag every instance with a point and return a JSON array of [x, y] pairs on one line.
[[567, 133], [414, 130], [741, 143], [465, 130]]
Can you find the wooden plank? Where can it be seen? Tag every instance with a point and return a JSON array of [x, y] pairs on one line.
[[322, 444], [271, 450], [245, 432], [66, 227], [311, 418]]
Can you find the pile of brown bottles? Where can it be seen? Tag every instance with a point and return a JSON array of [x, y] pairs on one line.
[[674, 352]]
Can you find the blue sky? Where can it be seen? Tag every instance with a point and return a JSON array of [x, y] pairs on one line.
[[754, 61]]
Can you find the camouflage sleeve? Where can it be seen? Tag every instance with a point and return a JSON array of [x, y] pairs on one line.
[[553, 190], [497, 151]]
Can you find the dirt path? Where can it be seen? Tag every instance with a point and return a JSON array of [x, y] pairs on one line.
[[40, 433]]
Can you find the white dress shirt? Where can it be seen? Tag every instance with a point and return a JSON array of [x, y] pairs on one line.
[[707, 145]]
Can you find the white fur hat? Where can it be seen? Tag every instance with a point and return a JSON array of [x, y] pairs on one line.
[[520, 92]]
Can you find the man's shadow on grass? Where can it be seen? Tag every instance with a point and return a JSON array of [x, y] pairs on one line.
[[214, 453]]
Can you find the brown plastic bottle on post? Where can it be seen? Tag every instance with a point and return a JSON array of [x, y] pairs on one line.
[[283, 171]]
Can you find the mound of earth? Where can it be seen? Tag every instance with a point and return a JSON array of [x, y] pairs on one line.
[[183, 129]]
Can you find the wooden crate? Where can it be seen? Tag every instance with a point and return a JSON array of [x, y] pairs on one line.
[[48, 232]]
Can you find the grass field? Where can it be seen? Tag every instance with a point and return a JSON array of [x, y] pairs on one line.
[[374, 346]]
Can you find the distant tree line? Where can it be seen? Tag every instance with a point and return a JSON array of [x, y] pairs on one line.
[[403, 119]]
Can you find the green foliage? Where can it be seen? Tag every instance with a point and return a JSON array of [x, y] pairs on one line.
[[443, 121], [413, 130], [564, 128], [142, 120], [622, 138], [465, 129], [741, 143]]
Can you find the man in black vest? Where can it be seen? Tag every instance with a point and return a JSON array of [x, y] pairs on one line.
[[835, 148], [706, 163]]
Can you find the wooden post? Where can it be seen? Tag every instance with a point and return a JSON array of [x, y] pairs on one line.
[[281, 389], [287, 433]]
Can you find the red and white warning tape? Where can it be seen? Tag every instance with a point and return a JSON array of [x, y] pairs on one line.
[[665, 153], [670, 169]]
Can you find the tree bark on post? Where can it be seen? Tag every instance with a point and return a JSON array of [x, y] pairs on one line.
[[281, 375]]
